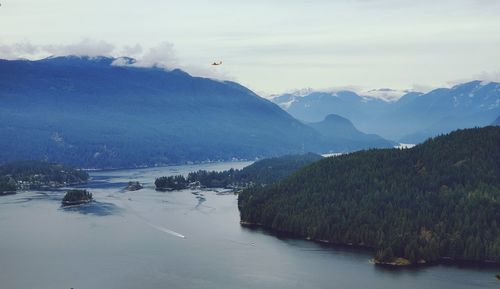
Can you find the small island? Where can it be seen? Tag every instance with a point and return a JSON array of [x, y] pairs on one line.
[[133, 186], [76, 197]]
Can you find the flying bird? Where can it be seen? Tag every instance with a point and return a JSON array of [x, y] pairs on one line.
[[217, 63]]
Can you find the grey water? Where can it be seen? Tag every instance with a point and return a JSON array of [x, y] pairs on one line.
[[182, 239]]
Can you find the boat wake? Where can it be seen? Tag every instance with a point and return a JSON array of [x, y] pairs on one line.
[[164, 230], [149, 223]]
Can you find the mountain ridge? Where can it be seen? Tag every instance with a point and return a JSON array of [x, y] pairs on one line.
[[341, 132], [412, 118], [84, 111]]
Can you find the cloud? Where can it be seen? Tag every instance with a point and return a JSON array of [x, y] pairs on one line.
[[424, 88], [85, 47], [453, 4], [162, 55], [131, 51], [28, 50], [387, 94], [485, 76], [491, 76], [18, 50]]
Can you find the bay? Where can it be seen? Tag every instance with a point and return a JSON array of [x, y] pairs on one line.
[[181, 239]]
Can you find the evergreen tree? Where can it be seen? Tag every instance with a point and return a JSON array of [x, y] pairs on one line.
[[438, 199]]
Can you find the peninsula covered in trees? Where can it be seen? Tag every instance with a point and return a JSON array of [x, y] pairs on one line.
[[262, 172], [38, 175], [438, 200]]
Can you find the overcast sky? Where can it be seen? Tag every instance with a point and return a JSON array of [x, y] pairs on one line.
[[272, 46]]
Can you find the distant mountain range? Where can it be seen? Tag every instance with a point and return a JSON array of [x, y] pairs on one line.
[[411, 119], [342, 134], [90, 112]]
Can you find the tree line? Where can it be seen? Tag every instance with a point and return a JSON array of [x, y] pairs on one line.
[[262, 172], [38, 175], [440, 199]]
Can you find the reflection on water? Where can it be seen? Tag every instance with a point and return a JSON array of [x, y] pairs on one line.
[[94, 208], [24, 197], [200, 197], [184, 239]]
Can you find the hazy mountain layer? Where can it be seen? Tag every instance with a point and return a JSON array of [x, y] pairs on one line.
[[342, 134], [412, 118], [89, 112]]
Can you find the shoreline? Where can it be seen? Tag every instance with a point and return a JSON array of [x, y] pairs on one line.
[[76, 203], [6, 193], [397, 263], [164, 165]]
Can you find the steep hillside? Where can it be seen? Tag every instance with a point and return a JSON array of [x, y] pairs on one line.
[[440, 199], [89, 112]]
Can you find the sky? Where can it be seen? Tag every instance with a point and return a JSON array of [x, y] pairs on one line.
[[272, 46]]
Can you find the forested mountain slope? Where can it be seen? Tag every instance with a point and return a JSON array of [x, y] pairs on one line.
[[439, 199], [91, 112]]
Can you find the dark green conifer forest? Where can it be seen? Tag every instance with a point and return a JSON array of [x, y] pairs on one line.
[[440, 199], [38, 175], [262, 172]]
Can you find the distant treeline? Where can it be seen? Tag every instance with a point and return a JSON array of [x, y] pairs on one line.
[[38, 175], [440, 199], [262, 172]]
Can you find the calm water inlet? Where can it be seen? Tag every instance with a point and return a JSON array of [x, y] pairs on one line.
[[183, 239]]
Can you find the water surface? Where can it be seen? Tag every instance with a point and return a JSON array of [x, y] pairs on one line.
[[184, 239]]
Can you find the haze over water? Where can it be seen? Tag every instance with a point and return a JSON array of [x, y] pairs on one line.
[[148, 239]]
